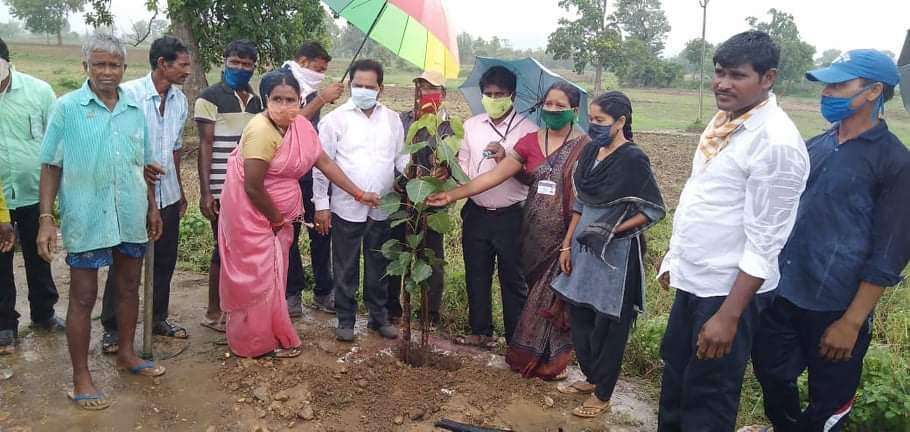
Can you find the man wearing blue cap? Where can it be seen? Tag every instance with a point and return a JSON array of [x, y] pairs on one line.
[[851, 240]]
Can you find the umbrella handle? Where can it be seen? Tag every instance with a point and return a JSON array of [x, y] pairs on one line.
[[365, 38]]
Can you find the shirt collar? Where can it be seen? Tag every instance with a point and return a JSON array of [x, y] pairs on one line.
[[349, 106], [504, 123], [149, 90], [86, 97], [760, 115], [16, 81], [872, 134]]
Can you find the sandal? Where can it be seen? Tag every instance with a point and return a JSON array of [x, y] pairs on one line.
[[588, 410], [147, 369], [89, 402], [217, 325], [561, 376], [286, 353], [7, 342], [109, 342], [577, 387], [481, 341], [169, 329]]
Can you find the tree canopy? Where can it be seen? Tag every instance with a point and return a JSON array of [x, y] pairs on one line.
[[45, 16]]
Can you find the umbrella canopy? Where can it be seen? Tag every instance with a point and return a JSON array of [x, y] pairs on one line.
[[533, 81], [418, 31], [903, 65]]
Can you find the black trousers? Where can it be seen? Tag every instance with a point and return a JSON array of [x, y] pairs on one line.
[[42, 293], [165, 263], [786, 345], [600, 340], [492, 239], [320, 250], [703, 395], [348, 240], [434, 241]]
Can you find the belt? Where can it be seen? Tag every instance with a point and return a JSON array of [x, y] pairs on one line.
[[499, 210]]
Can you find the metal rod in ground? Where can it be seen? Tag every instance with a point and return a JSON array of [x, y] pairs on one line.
[[147, 302]]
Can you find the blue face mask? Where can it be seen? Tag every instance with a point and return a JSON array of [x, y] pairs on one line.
[[600, 134], [835, 109], [364, 98], [237, 78]]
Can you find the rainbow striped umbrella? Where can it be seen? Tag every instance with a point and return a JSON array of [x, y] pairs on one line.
[[416, 30]]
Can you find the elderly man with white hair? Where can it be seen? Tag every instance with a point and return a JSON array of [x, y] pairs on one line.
[[95, 153]]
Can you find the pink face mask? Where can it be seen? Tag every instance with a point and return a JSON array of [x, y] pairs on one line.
[[283, 115]]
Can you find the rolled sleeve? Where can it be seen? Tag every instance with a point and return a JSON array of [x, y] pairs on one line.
[[52, 146], [777, 178], [205, 111], [890, 232]]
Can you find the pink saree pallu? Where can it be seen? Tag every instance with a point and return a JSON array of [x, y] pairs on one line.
[[254, 259]]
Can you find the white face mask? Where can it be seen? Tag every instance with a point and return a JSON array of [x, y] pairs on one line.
[[4, 69], [309, 80]]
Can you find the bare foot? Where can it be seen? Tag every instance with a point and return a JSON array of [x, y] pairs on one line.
[[82, 384]]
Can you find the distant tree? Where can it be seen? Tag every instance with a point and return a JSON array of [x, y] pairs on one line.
[[45, 16], [11, 29], [796, 56], [141, 33], [640, 67], [589, 40], [827, 57], [465, 48], [692, 54], [644, 20]]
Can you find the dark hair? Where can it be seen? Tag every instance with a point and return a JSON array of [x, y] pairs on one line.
[[752, 47], [4, 50], [367, 65], [887, 90], [275, 78], [572, 92], [312, 50], [167, 47], [242, 48], [616, 104], [500, 77]]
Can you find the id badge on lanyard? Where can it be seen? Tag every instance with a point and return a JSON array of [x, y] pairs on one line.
[[546, 187]]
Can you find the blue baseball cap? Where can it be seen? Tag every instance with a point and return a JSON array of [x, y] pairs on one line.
[[869, 64]]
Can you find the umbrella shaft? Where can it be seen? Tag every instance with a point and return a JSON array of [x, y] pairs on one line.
[[364, 42]]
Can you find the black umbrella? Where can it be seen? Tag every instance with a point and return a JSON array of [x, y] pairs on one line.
[[903, 65]]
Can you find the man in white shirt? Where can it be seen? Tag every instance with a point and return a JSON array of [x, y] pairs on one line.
[[365, 139], [734, 216]]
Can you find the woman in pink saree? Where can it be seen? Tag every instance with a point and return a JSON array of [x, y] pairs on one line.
[[260, 201]]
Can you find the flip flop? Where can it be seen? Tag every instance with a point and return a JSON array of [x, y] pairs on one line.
[[590, 411], [574, 389], [216, 325], [169, 329], [287, 353], [148, 369], [109, 344], [89, 402]]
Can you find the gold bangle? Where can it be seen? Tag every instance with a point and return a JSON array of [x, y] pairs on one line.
[[46, 215], [565, 249]]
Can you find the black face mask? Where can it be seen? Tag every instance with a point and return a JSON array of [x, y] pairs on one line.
[[600, 134]]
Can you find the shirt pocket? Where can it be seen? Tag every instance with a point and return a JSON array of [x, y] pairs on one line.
[[136, 147], [36, 126]]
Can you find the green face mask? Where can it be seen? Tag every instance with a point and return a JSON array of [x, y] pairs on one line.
[[557, 119], [496, 108]]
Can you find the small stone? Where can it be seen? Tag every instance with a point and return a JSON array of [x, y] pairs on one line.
[[306, 413], [261, 393], [343, 370], [275, 406], [548, 402], [260, 413], [362, 383], [398, 420], [291, 425], [418, 414], [336, 376], [282, 396], [260, 428], [156, 381], [210, 429]]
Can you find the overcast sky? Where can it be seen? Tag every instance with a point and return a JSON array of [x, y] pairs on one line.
[[841, 24]]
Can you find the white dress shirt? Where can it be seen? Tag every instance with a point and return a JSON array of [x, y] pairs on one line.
[[368, 150], [737, 210]]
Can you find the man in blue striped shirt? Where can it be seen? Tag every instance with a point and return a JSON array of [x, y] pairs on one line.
[[165, 109], [95, 152]]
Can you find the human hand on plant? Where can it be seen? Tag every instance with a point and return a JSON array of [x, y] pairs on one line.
[[7, 237], [715, 340], [838, 340], [322, 222], [370, 199], [439, 199]]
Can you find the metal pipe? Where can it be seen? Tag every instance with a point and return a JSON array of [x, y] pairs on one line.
[[148, 301]]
